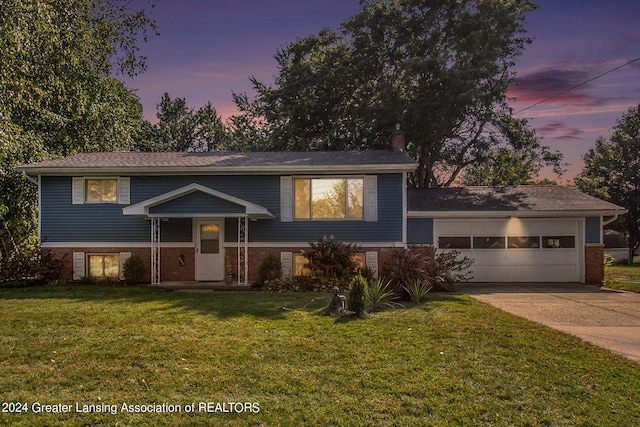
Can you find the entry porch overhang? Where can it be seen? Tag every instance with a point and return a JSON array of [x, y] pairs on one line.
[[198, 201], [195, 200]]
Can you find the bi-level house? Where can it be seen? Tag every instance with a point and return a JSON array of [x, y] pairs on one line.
[[204, 216], [197, 216]]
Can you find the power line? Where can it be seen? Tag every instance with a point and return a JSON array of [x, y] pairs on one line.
[[578, 85]]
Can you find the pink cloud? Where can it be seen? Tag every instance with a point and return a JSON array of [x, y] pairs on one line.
[[559, 130]]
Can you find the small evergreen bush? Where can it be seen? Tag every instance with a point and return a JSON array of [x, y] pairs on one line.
[[133, 270], [357, 298], [271, 268]]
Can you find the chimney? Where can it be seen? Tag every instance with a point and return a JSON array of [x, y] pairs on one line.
[[398, 139]]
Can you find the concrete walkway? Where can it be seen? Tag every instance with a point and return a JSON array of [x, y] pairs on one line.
[[607, 318]]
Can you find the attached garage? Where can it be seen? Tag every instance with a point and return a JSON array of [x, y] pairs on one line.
[[515, 234], [516, 249]]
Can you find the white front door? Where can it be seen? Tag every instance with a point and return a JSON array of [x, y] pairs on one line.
[[209, 250]]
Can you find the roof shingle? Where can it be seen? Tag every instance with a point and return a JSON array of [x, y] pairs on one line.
[[521, 198], [212, 161]]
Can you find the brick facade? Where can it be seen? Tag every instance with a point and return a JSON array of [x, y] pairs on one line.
[[257, 255], [66, 255], [178, 264], [594, 263]]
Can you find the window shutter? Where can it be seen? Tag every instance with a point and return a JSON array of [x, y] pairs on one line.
[[124, 191], [371, 261], [77, 191], [286, 260], [78, 265], [371, 198], [286, 199], [123, 257]]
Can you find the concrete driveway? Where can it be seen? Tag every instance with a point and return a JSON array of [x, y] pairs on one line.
[[607, 318]]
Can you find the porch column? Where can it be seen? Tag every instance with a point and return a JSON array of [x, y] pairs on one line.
[[243, 238], [155, 251]]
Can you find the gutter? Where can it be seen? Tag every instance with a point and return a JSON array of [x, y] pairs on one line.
[[478, 214], [24, 173], [612, 219]]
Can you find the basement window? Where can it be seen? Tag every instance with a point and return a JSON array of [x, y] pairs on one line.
[[104, 266]]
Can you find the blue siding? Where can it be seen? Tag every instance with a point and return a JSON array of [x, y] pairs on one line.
[[197, 202], [593, 226], [175, 230], [64, 222], [420, 231]]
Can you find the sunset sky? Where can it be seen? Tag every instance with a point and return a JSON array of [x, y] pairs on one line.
[[208, 49]]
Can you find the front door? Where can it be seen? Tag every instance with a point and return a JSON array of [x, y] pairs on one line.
[[209, 250]]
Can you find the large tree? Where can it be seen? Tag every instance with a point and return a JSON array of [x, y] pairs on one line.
[[612, 171], [58, 95], [441, 68], [181, 128], [516, 162]]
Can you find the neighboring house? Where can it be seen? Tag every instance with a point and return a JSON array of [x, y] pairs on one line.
[[204, 216], [616, 247], [515, 234], [199, 216]]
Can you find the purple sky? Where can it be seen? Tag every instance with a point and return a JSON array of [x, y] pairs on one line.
[[209, 48]]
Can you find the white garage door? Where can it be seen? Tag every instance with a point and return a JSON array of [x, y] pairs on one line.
[[516, 249]]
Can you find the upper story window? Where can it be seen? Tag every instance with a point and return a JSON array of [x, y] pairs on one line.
[[328, 198], [101, 190], [91, 190]]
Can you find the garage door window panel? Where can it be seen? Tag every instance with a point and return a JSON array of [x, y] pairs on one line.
[[523, 242], [454, 242], [488, 243], [558, 242]]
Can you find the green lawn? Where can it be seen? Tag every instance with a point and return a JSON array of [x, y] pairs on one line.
[[626, 276], [452, 361]]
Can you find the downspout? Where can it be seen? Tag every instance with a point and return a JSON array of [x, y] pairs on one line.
[[610, 220], [24, 173], [404, 209]]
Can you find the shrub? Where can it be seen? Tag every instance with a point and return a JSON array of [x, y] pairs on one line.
[[380, 294], [405, 266], [30, 266], [331, 258], [271, 268], [448, 268], [133, 270], [417, 290], [368, 274], [439, 269], [357, 298]]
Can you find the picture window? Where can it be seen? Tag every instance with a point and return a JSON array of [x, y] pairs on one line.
[[328, 198]]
